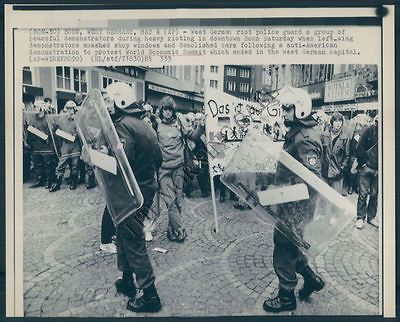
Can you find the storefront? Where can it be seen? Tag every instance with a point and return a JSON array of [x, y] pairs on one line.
[[31, 93], [350, 97], [185, 102]]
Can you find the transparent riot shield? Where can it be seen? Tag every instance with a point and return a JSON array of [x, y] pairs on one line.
[[37, 132], [286, 194], [105, 151]]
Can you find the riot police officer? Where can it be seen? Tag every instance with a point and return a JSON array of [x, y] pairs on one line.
[[144, 156], [70, 150], [303, 142]]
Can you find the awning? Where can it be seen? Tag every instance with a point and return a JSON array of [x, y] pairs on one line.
[[33, 90], [65, 95], [173, 92], [351, 107]]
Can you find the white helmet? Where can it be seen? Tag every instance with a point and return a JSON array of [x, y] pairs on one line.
[[122, 94], [298, 97], [199, 116], [40, 105], [70, 104], [190, 116], [147, 108]]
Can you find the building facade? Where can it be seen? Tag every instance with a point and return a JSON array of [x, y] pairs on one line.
[[183, 83], [348, 88], [61, 83], [238, 81]]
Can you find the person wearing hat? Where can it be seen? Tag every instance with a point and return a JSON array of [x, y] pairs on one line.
[[302, 142], [172, 136], [70, 151], [144, 156], [367, 165]]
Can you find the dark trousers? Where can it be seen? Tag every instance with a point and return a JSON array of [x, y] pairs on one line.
[[204, 181], [219, 186], [26, 164], [82, 170], [44, 166], [368, 182], [287, 260], [107, 227], [63, 162], [131, 248]]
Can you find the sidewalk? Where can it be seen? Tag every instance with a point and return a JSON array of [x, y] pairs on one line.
[[229, 273]]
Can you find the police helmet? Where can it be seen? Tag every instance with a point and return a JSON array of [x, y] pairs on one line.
[[40, 105], [70, 105], [122, 94], [199, 116], [299, 98]]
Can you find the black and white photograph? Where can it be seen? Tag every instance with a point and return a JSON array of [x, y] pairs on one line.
[[201, 190]]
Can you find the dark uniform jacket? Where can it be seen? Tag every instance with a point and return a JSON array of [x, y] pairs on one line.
[[142, 150], [36, 144], [367, 148], [303, 143], [67, 124], [336, 154]]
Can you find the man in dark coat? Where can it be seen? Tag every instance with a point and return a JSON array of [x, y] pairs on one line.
[[303, 143], [367, 158], [144, 156]]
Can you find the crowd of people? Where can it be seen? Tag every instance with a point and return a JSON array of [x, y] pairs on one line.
[[167, 152]]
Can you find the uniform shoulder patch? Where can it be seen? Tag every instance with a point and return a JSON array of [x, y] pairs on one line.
[[312, 160]]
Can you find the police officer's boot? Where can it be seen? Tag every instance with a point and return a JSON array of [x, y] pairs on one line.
[[149, 302], [312, 283], [125, 285], [91, 182], [56, 185], [74, 182], [284, 301], [181, 236]]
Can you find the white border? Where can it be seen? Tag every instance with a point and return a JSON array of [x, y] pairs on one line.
[[99, 18]]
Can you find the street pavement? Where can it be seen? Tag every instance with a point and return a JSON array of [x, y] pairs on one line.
[[210, 274]]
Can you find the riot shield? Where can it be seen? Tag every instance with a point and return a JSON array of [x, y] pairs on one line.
[[37, 132], [300, 205], [106, 153]]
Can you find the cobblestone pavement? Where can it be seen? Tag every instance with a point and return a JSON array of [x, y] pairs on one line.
[[211, 274]]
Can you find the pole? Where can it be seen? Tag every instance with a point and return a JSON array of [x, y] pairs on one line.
[[214, 203]]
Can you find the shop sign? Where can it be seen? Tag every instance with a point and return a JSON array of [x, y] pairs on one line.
[[174, 92], [340, 90], [351, 107], [365, 90]]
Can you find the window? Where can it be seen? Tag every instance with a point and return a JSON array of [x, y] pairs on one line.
[[26, 76], [80, 82], [197, 71], [63, 75], [213, 83], [213, 69], [107, 80], [69, 78], [187, 73], [244, 87], [231, 71], [244, 73], [231, 86]]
